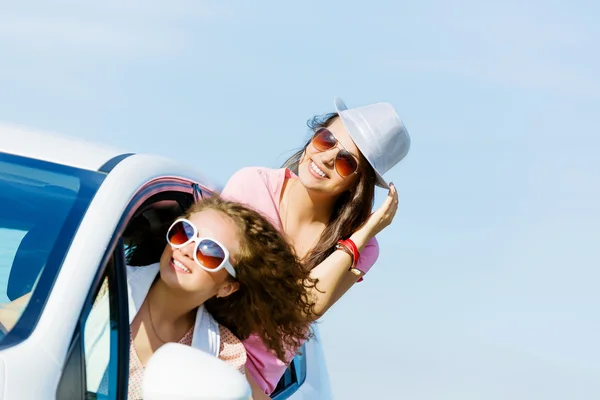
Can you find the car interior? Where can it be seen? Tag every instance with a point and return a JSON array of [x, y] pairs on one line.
[[144, 236]]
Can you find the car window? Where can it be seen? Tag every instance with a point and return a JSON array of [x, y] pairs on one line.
[[145, 235], [42, 204], [293, 378], [100, 340], [10, 239]]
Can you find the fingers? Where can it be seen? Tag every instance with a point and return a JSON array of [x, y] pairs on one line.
[[391, 200], [394, 194], [393, 191], [385, 213], [393, 206]]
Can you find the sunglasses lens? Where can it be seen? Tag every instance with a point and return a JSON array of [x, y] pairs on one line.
[[180, 233], [345, 163], [210, 254], [324, 140]]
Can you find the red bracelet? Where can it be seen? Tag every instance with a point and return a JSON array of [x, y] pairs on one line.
[[345, 249], [352, 246]]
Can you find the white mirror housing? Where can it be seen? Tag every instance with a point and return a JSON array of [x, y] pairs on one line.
[[179, 372]]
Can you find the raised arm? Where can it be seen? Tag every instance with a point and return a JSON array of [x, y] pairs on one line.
[[333, 273]]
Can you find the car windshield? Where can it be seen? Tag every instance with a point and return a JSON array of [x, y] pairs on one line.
[[41, 205]]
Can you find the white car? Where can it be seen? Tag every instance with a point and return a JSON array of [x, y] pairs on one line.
[[68, 210]]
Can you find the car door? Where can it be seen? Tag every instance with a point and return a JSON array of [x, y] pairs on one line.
[[106, 307], [293, 378]]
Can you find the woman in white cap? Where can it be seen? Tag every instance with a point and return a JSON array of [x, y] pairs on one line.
[[322, 201]]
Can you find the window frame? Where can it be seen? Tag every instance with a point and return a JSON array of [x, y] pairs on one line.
[[74, 367], [297, 370], [73, 381]]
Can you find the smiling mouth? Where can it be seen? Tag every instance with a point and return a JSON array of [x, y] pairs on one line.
[[179, 267], [317, 170]]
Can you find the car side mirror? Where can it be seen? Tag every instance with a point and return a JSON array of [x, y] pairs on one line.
[[177, 372]]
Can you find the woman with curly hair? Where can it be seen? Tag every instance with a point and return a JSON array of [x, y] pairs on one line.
[[226, 272]]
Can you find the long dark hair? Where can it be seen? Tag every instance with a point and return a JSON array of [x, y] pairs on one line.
[[351, 209]]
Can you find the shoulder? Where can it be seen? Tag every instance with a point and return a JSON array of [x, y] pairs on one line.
[[368, 255], [253, 173], [241, 181], [232, 350], [253, 180]]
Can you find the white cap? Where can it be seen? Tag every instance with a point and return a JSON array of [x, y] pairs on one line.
[[378, 133]]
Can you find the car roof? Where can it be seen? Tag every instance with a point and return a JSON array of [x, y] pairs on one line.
[[52, 147]]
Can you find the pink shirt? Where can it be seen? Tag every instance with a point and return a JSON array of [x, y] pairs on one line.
[[260, 189]]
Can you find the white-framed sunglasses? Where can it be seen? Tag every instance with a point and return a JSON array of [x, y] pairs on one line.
[[209, 254]]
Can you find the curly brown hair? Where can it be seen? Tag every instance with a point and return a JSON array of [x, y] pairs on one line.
[[273, 299]]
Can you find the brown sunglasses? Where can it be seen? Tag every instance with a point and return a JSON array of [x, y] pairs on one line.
[[346, 163]]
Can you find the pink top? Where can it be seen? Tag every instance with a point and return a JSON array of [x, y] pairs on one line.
[[260, 189]]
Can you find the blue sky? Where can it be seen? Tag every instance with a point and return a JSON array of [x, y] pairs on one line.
[[487, 283]]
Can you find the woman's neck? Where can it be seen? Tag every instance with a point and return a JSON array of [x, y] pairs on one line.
[[170, 306], [306, 206]]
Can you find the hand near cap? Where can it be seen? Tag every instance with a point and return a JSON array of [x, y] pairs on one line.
[[383, 216], [379, 219]]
